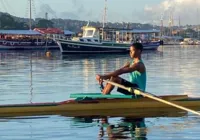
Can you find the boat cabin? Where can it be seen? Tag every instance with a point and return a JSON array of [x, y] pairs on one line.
[[99, 34], [90, 34]]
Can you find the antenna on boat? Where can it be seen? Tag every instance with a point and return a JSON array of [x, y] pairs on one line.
[[88, 23], [105, 13]]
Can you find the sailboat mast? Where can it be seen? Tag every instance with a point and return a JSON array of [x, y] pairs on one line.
[[171, 23], [198, 22], [161, 27], [30, 20], [104, 15]]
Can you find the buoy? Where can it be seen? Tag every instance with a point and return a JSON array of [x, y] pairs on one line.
[[48, 53]]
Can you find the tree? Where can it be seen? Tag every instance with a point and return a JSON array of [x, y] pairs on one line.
[[21, 26], [44, 23], [7, 21]]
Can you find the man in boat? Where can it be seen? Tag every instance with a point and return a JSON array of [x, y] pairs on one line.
[[135, 68]]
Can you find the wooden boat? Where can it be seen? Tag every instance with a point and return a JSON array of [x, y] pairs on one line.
[[26, 40], [105, 40], [95, 104]]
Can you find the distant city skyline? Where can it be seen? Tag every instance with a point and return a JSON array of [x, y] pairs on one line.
[[136, 11]]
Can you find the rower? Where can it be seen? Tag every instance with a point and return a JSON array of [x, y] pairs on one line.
[[135, 68]]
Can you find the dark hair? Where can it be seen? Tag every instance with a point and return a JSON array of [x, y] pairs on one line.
[[138, 46]]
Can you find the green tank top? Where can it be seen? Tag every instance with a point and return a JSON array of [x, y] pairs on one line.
[[138, 78]]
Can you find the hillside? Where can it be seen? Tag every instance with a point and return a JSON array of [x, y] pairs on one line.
[[8, 21]]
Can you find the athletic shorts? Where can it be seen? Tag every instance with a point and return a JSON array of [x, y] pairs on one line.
[[126, 84]]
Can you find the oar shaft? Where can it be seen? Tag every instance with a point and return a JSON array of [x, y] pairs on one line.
[[138, 92], [170, 103]]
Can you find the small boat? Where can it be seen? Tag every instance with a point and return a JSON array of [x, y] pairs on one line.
[[25, 40], [37, 39], [107, 40], [96, 104], [190, 41]]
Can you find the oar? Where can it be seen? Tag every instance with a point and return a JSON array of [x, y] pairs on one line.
[[151, 96]]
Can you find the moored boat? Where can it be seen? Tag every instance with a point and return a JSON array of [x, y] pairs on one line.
[[103, 105], [190, 41], [25, 40], [37, 39], [108, 40]]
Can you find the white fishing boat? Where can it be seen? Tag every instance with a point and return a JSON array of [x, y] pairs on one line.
[[108, 40]]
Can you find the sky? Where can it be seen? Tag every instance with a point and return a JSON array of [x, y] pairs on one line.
[[137, 11]]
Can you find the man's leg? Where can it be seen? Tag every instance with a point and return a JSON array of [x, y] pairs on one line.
[[126, 84], [109, 87]]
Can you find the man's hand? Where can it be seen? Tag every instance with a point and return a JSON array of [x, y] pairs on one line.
[[99, 79]]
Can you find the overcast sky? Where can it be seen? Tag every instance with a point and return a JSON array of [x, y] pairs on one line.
[[143, 11]]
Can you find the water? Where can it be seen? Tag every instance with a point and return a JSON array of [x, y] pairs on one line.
[[31, 77]]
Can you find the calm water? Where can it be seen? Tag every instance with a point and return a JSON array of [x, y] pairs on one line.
[[31, 77]]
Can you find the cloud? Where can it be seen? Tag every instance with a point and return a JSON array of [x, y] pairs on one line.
[[187, 10]]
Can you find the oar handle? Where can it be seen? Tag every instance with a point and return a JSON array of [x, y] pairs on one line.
[[139, 92]]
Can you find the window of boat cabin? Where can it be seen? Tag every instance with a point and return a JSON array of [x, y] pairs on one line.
[[96, 34], [89, 33]]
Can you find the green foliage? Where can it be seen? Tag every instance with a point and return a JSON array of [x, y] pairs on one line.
[[7, 22], [44, 23], [189, 33]]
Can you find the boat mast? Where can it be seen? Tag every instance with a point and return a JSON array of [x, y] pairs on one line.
[[161, 27], [198, 23], [30, 19], [171, 24], [104, 18], [104, 15]]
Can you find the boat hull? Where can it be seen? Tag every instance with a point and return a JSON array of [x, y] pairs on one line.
[[71, 47], [4, 47], [142, 107]]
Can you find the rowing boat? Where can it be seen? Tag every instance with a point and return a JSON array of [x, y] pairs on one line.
[[96, 104]]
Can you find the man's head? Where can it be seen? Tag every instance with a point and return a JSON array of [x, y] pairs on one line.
[[136, 50]]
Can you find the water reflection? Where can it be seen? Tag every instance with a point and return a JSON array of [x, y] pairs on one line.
[[31, 78], [125, 128]]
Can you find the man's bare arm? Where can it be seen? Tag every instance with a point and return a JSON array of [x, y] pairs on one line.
[[127, 64], [121, 71]]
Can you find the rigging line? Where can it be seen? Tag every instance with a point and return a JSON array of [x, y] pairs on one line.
[[27, 8], [33, 8], [9, 7], [4, 6], [41, 2], [48, 8], [1, 6]]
